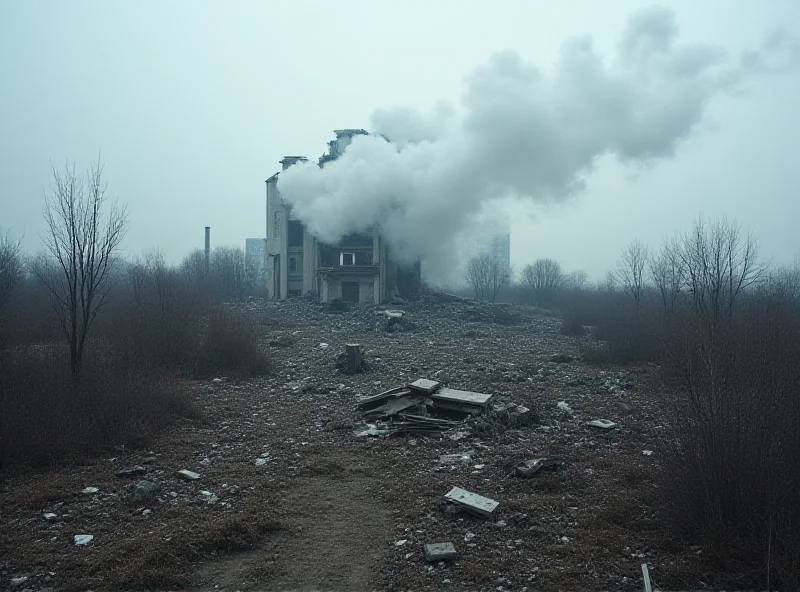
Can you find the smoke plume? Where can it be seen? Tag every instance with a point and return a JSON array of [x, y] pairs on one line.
[[520, 132]]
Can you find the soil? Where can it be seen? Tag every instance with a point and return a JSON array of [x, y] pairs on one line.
[[290, 499]]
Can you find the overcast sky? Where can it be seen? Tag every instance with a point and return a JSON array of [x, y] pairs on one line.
[[192, 104]]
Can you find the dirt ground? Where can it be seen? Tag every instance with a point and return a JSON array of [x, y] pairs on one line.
[[289, 499]]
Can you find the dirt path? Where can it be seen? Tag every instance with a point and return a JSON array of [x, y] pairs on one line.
[[334, 537]]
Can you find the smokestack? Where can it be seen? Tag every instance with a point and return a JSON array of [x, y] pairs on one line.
[[208, 248]]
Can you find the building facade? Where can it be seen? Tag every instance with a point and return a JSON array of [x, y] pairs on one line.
[[356, 269]]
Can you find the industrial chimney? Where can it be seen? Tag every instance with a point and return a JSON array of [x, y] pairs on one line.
[[208, 249]]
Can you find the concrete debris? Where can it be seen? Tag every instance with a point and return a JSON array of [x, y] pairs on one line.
[[134, 471], [370, 431], [18, 581], [564, 408], [528, 468], [83, 539], [260, 462], [144, 491], [424, 385], [400, 543], [456, 459], [89, 490], [513, 415], [602, 424], [435, 552], [647, 452], [50, 516], [425, 407], [187, 475], [472, 502]]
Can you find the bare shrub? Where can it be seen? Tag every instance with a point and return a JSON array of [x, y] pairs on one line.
[[230, 344], [733, 461], [10, 276], [46, 419]]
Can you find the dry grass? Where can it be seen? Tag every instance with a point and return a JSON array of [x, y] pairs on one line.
[[47, 417]]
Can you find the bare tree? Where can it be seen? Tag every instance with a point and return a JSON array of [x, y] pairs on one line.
[[667, 274], [234, 274], [10, 275], [84, 232], [10, 271], [630, 271], [576, 280], [487, 275], [720, 263], [542, 280]]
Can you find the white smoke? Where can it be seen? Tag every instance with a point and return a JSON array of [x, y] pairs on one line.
[[522, 133]]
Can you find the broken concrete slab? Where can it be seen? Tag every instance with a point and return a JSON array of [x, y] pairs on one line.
[[528, 468], [83, 539], [472, 502], [89, 490], [461, 398], [425, 386], [463, 458], [435, 552], [187, 475], [602, 424], [392, 407]]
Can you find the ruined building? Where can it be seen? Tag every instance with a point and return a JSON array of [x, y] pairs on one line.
[[357, 269]]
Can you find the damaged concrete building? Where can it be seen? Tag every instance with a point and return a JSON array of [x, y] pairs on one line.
[[359, 268]]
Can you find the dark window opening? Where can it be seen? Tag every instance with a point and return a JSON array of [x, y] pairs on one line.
[[292, 263], [295, 233], [347, 259]]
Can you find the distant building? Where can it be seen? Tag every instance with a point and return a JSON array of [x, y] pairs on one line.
[[255, 253], [359, 268], [499, 248]]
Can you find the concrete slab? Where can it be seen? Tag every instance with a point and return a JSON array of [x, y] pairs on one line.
[[473, 502]]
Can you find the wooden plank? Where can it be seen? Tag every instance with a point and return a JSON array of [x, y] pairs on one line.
[[449, 395], [471, 501]]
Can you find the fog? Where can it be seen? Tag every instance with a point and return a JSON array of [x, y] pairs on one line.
[[582, 126]]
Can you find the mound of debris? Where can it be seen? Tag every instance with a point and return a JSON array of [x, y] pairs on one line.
[[428, 407]]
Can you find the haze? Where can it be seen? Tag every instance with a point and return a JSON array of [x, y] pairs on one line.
[[192, 104]]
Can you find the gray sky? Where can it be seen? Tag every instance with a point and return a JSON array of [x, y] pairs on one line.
[[193, 103]]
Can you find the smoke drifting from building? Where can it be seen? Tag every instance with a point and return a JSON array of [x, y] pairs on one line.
[[520, 132]]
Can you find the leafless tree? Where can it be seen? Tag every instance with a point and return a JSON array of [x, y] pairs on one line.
[[487, 275], [10, 270], [667, 274], [193, 268], [84, 232], [576, 280], [542, 279], [234, 274], [630, 271], [720, 263]]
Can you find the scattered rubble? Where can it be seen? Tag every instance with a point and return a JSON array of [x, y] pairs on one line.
[[134, 471], [471, 502], [89, 490], [187, 475], [602, 424], [528, 468], [436, 552], [83, 539], [144, 491]]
